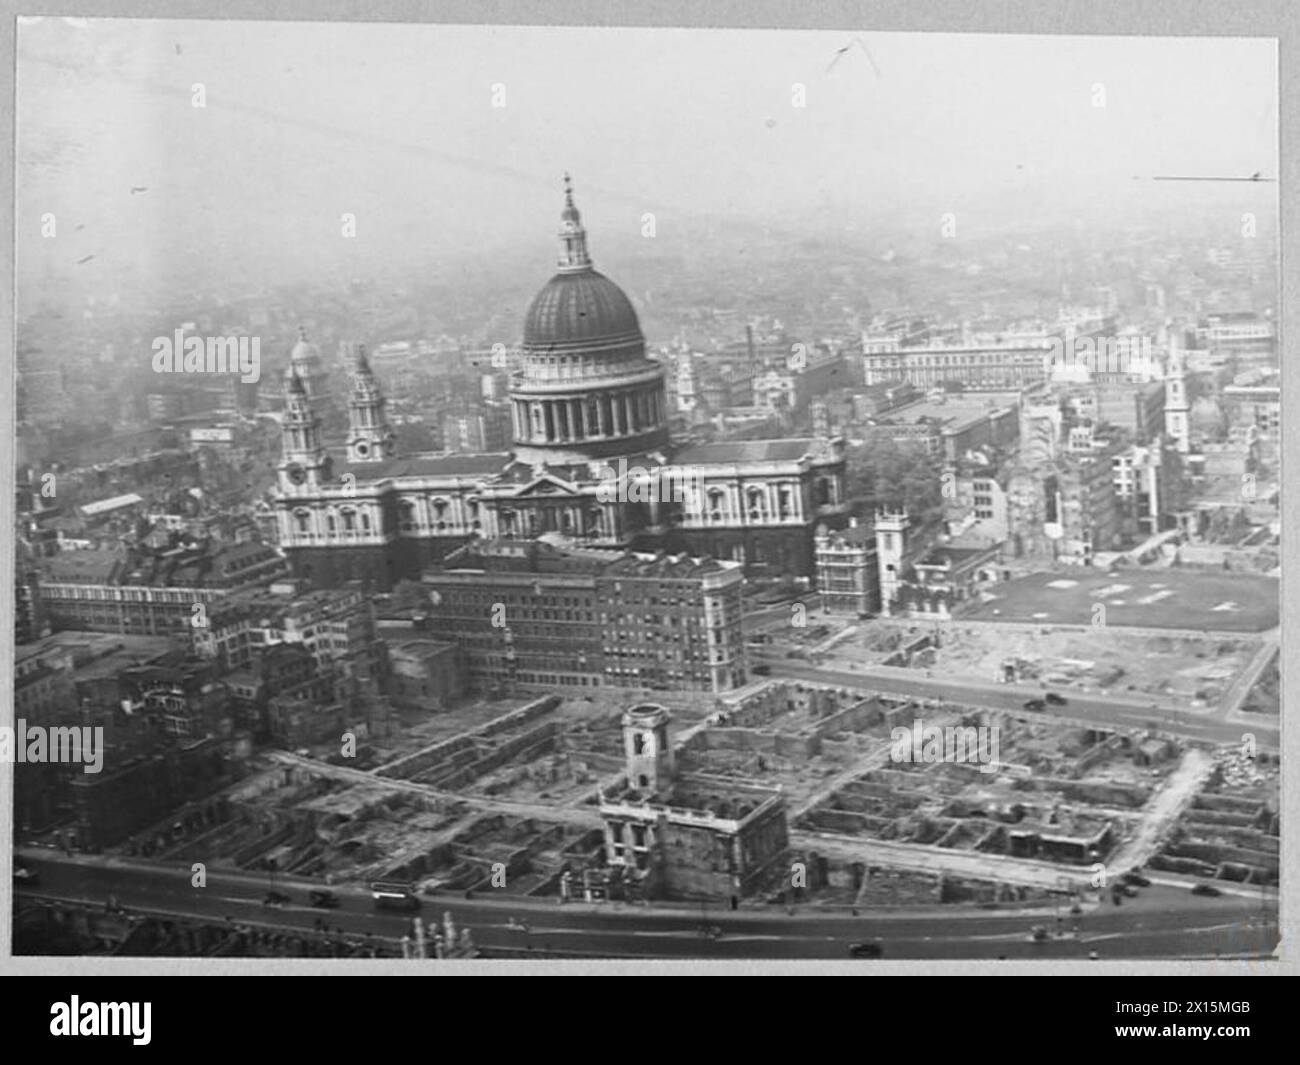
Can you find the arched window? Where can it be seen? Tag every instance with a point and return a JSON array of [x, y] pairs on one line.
[[715, 504], [406, 515], [304, 520], [365, 522], [349, 521], [784, 503], [755, 497]]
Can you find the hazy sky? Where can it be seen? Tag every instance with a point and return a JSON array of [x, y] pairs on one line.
[[395, 123]]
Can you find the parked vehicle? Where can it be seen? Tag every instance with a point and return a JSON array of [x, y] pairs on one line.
[[1206, 889], [866, 950], [1135, 878], [1036, 705], [1052, 699], [276, 898], [324, 900]]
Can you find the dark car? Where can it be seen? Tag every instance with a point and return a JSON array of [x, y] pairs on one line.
[[324, 900], [1135, 878], [1036, 705], [865, 950], [1206, 889], [761, 670], [1052, 699], [276, 898]]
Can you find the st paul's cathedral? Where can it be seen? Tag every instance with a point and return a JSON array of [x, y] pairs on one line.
[[593, 460]]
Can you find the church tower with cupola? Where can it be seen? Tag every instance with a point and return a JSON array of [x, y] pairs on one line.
[[305, 465], [370, 439]]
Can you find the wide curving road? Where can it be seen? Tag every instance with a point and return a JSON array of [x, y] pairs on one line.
[[1163, 923]]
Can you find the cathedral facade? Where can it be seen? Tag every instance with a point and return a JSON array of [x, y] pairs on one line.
[[592, 460]]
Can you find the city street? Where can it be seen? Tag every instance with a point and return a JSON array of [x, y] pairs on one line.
[[1084, 709], [1163, 922]]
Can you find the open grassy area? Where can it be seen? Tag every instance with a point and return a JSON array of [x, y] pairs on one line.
[[1167, 598]]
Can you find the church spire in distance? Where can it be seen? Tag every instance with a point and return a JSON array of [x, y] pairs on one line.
[[573, 237]]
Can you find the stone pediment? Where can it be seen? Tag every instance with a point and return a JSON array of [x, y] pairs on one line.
[[547, 485]]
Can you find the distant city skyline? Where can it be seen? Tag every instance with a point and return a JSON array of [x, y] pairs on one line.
[[396, 125]]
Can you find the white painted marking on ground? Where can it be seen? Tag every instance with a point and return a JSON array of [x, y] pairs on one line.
[[1155, 597], [1109, 590]]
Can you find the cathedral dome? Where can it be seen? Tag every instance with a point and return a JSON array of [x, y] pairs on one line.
[[586, 389], [579, 308], [304, 351]]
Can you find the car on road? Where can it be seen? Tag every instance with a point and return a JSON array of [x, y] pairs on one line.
[[276, 898], [1052, 699], [324, 900], [1206, 889], [866, 950], [1036, 705], [761, 670], [394, 895], [1038, 934], [1135, 878]]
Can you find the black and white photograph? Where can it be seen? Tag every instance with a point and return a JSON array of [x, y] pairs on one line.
[[550, 493]]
